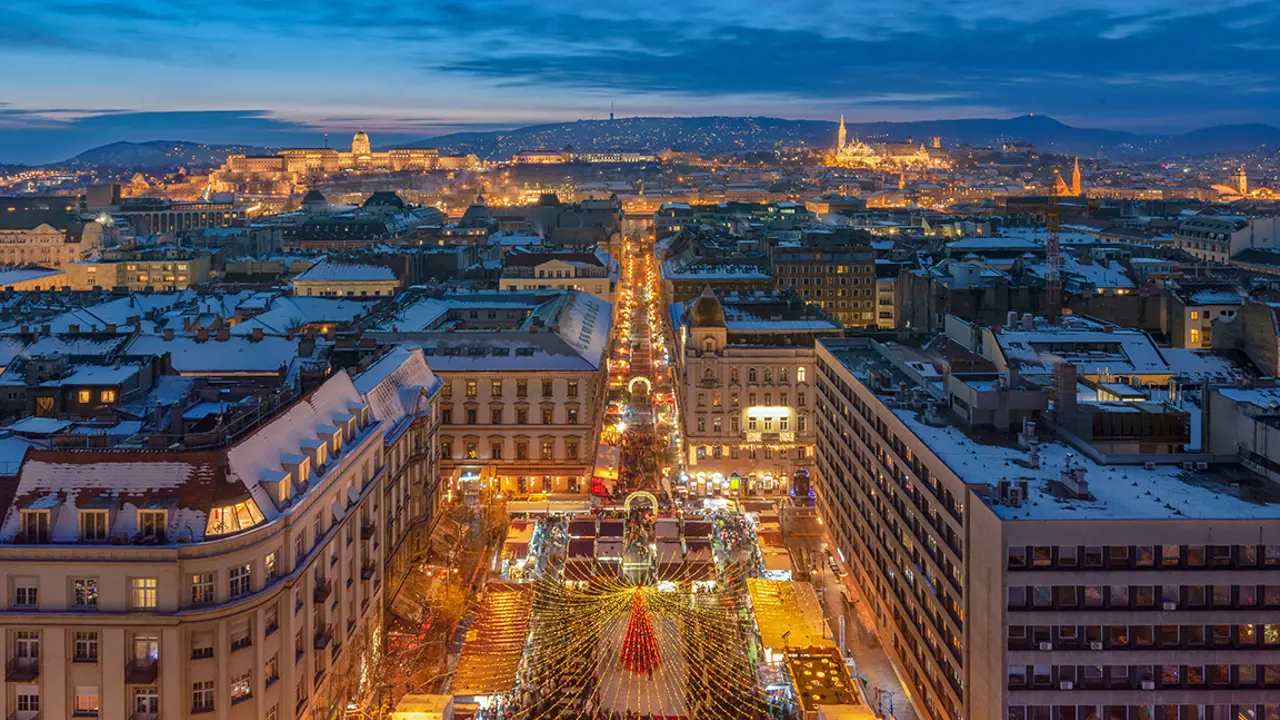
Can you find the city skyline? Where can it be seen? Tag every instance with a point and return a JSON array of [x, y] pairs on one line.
[[284, 75]]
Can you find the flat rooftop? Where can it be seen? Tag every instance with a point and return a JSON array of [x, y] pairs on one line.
[[1224, 491]]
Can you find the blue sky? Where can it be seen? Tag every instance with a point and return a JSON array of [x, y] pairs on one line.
[[79, 73]]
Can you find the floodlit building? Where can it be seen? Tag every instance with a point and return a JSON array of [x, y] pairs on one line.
[[744, 367], [243, 580], [1018, 577], [334, 278]]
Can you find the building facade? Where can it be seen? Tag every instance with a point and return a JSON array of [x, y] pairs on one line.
[[1027, 582], [840, 280], [242, 582]]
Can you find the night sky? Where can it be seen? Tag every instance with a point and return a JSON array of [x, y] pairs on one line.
[[74, 74]]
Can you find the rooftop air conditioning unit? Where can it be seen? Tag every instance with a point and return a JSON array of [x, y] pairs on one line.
[[1046, 646], [1095, 645], [1170, 606], [1202, 465], [1188, 465], [1066, 685], [1148, 684], [1148, 465]]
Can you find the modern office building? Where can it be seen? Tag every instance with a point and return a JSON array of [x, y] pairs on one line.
[[1012, 576]]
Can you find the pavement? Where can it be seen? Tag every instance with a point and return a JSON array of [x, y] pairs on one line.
[[883, 690]]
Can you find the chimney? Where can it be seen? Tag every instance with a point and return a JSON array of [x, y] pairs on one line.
[[73, 329], [257, 334], [202, 334], [45, 331], [168, 333], [111, 328], [224, 334]]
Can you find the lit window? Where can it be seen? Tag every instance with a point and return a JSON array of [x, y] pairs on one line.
[[85, 397], [93, 525], [108, 396], [1195, 337], [143, 593], [241, 687], [85, 592], [800, 374], [202, 589], [233, 518], [239, 579], [87, 701]]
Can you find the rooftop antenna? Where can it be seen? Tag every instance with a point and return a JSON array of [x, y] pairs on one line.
[[610, 111], [326, 141]]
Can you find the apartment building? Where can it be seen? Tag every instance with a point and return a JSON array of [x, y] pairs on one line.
[[591, 272], [46, 231], [840, 279], [142, 270], [1219, 237], [1023, 580], [744, 374], [241, 581], [524, 381]]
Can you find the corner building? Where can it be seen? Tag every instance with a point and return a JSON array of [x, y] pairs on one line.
[[241, 581], [1035, 584]]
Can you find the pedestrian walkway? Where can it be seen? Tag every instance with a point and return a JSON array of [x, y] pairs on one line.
[[885, 693]]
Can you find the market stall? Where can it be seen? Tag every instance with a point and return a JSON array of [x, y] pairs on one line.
[[494, 645]]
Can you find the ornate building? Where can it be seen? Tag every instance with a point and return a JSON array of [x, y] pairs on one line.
[[907, 154], [283, 172]]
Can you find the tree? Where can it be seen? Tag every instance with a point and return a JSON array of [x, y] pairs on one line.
[[640, 645]]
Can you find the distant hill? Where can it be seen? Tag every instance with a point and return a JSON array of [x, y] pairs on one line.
[[729, 134], [737, 134], [159, 154]]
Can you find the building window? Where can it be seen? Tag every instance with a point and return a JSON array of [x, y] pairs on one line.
[[152, 524], [1195, 337], [240, 580], [447, 390], [522, 451], [202, 588], [86, 647], [143, 593], [28, 699], [522, 388], [522, 416], [202, 696], [496, 451], [547, 416], [108, 396], [446, 416], [471, 416], [548, 449], [495, 388], [86, 702], [495, 416], [446, 450], [271, 670], [546, 388], [800, 374], [751, 375], [242, 687], [25, 593], [472, 451], [571, 449], [573, 388], [85, 593], [86, 397], [269, 567], [572, 418], [93, 525]]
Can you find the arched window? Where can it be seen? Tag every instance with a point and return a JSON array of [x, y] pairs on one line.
[[709, 344], [768, 375], [751, 375], [709, 374], [733, 375], [800, 374]]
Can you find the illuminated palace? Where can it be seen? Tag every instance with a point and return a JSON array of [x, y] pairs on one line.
[[289, 168], [903, 155]]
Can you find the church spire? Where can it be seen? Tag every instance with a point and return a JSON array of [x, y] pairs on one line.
[[1075, 180], [842, 135]]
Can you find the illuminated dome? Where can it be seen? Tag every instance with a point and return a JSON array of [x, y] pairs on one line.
[[706, 311], [360, 144]]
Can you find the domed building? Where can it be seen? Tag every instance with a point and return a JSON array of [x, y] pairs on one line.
[[360, 146], [707, 311]]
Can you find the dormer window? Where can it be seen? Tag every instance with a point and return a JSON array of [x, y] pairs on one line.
[[93, 525], [233, 518], [152, 524], [35, 526]]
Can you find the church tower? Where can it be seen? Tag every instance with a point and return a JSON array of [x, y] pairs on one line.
[[842, 135], [1075, 180], [1242, 181]]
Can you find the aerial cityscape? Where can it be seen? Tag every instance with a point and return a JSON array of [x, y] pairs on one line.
[[702, 361]]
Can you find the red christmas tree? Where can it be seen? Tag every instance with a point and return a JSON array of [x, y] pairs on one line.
[[640, 646]]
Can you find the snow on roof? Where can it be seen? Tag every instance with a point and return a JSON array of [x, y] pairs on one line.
[[333, 271], [421, 315], [10, 349], [715, 271], [16, 276], [75, 345], [393, 385], [237, 355], [1119, 491], [95, 375], [1100, 275], [1202, 363], [291, 312], [38, 425], [1120, 352], [1215, 297]]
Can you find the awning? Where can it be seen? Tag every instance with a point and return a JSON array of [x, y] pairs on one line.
[[579, 569], [582, 528], [581, 548]]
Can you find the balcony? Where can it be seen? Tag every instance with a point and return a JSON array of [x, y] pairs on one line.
[[23, 669], [324, 588], [366, 570], [324, 635], [366, 530], [141, 672]]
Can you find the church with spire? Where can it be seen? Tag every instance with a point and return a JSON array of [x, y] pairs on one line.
[[1076, 188], [857, 154]]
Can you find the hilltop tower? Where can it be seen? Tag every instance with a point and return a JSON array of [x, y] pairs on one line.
[[1075, 180], [842, 135], [1242, 181]]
